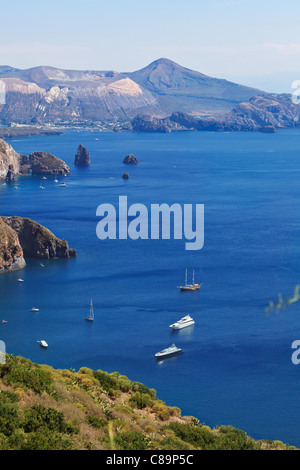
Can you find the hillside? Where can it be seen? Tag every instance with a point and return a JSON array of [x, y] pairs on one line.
[[181, 89], [46, 409], [51, 95]]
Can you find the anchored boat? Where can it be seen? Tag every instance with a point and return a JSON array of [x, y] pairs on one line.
[[192, 286], [90, 316], [183, 323], [168, 352]]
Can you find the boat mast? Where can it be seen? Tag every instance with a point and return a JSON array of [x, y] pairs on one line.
[[193, 277], [186, 276]]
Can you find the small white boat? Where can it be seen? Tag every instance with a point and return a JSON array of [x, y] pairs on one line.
[[20, 280], [168, 352], [43, 343], [42, 265], [63, 185], [35, 309], [183, 323], [44, 178], [55, 181], [42, 187]]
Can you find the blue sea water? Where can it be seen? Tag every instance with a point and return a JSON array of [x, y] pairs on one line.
[[236, 364]]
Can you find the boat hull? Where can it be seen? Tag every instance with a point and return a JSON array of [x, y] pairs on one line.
[[164, 355], [179, 327]]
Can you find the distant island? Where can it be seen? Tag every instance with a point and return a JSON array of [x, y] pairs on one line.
[[162, 97]]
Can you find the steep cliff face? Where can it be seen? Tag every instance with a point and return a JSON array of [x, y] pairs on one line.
[[42, 163], [9, 159], [82, 157], [11, 253], [38, 163], [36, 240]]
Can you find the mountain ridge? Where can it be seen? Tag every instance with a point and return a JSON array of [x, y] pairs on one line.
[[46, 95], [160, 88]]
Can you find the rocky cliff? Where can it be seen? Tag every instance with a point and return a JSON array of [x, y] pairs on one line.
[[9, 159], [39, 163], [43, 163], [11, 253], [82, 157], [260, 113], [37, 241]]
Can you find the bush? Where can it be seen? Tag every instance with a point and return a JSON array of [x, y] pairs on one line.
[[36, 379], [8, 419], [195, 435], [139, 387], [131, 440], [8, 397], [141, 400], [39, 417], [107, 382], [96, 422]]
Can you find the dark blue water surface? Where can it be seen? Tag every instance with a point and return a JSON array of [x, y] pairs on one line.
[[236, 366]]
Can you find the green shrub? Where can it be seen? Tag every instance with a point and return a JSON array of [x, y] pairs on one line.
[[195, 435], [36, 379], [39, 417], [131, 440], [8, 397], [107, 382], [141, 400], [8, 419], [235, 439], [139, 387], [46, 440], [96, 422]]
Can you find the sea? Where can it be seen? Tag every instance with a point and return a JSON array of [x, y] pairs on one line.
[[236, 366]]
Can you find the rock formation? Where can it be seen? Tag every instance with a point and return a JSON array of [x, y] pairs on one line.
[[13, 164], [9, 159], [82, 157], [43, 163], [130, 160], [11, 253], [146, 123], [37, 241], [125, 176]]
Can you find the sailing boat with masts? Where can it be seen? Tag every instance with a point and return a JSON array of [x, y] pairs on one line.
[[192, 286], [90, 316]]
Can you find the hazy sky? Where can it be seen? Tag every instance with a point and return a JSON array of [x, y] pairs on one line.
[[234, 39]]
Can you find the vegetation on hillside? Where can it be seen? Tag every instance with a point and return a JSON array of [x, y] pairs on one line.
[[46, 409]]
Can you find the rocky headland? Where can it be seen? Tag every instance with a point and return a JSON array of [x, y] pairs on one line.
[[23, 237], [13, 164], [11, 252]]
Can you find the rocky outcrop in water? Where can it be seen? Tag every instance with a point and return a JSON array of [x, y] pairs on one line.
[[130, 159], [43, 163], [82, 157], [37, 241], [125, 176], [13, 164]]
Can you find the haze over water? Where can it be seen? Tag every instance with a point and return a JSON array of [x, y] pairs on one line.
[[236, 364]]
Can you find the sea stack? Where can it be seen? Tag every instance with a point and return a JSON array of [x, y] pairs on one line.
[[82, 157], [125, 176], [130, 159]]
